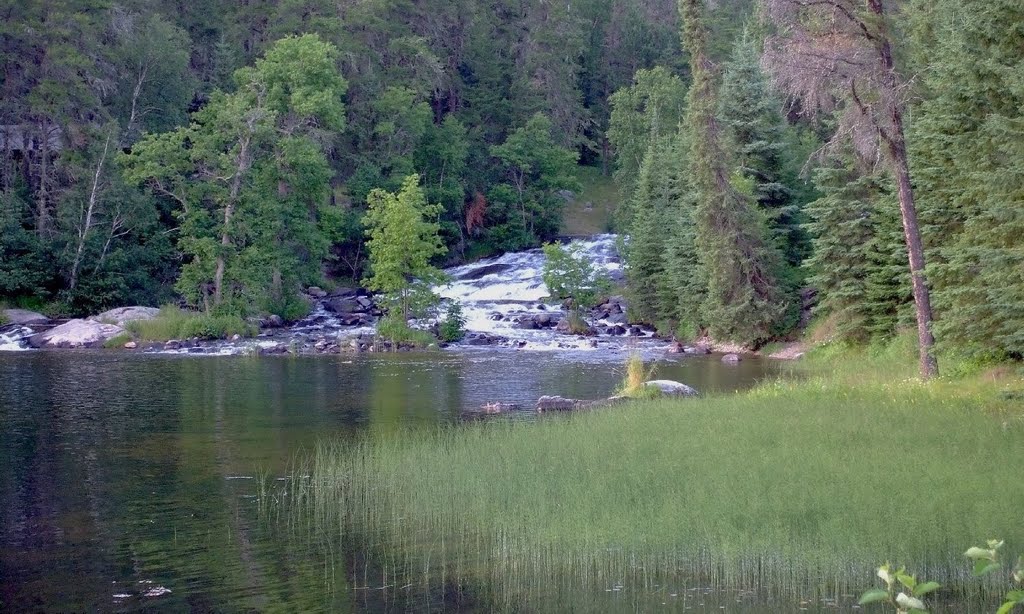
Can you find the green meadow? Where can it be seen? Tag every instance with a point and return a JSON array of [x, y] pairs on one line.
[[799, 487]]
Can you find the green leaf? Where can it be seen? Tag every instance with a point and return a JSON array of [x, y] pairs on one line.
[[873, 596], [1006, 607], [926, 587], [975, 552], [906, 580], [911, 603], [1017, 596], [983, 567]]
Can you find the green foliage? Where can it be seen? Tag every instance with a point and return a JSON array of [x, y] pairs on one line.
[[118, 341], [910, 596], [403, 237], [398, 332], [859, 261], [525, 208], [570, 276], [966, 143], [175, 323], [249, 178], [453, 327]]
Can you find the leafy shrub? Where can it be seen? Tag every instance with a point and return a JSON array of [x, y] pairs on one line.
[[569, 275], [175, 323], [453, 327], [396, 330]]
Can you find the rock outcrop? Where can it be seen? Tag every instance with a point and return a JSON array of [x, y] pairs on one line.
[[76, 334], [123, 315], [24, 317], [672, 388]]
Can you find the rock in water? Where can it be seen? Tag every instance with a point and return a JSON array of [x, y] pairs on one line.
[[731, 358], [123, 315], [75, 334], [24, 317], [556, 403], [671, 388]]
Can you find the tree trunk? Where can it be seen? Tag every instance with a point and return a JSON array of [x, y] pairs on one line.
[[83, 231], [241, 166], [896, 144], [43, 195]]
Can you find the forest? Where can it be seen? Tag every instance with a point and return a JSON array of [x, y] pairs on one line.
[[861, 157]]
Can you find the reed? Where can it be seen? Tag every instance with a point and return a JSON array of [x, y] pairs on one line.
[[796, 487], [175, 323]]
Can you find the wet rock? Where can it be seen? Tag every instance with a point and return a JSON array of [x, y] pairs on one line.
[[483, 271], [498, 408], [483, 339], [273, 321], [616, 318], [618, 330], [496, 316], [731, 358], [172, 344], [697, 350], [131, 345], [557, 403], [635, 331], [236, 337], [675, 348], [316, 292], [123, 315], [75, 334], [24, 317], [672, 388]]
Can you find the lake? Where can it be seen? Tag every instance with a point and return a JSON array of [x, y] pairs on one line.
[[133, 482]]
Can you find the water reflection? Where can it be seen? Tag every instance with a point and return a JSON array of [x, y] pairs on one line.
[[130, 481]]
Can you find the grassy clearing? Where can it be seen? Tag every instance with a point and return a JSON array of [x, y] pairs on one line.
[[791, 486], [175, 323], [592, 211]]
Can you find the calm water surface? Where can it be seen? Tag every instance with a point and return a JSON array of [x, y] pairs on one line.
[[131, 482]]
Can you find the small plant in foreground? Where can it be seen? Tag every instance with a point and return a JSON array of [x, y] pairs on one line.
[[907, 600], [986, 560], [636, 375], [453, 327]]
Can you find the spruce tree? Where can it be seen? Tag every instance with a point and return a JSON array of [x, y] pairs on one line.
[[744, 300], [968, 142], [755, 130]]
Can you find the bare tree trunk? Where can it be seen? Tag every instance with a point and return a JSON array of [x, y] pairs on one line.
[[241, 166], [43, 195], [896, 145], [83, 230], [136, 92]]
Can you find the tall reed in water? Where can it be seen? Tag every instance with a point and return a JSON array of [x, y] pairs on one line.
[[795, 487]]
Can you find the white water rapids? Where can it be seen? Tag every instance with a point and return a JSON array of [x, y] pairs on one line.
[[494, 294]]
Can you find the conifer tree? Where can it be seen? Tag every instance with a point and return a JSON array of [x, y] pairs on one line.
[[968, 143], [755, 130], [744, 301]]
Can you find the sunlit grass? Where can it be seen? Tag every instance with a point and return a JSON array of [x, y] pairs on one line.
[[175, 323], [791, 486]]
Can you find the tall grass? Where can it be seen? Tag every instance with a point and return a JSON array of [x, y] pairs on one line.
[[795, 487], [175, 323]]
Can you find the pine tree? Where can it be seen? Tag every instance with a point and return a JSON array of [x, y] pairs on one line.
[[968, 142], [755, 130], [744, 300]]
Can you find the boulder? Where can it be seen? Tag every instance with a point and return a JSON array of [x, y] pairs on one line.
[[497, 408], [483, 271], [131, 345], [672, 388], [697, 350], [75, 334], [731, 358], [123, 315], [24, 317], [273, 321], [344, 304], [556, 403], [316, 292]]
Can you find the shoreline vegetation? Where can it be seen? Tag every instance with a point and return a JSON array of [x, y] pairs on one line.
[[800, 486]]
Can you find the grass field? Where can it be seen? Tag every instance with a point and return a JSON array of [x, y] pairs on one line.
[[794, 486], [591, 211]]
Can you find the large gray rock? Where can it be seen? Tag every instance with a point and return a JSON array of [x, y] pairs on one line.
[[24, 317], [672, 388], [123, 315], [76, 333]]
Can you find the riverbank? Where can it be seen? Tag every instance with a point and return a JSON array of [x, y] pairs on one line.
[[795, 487]]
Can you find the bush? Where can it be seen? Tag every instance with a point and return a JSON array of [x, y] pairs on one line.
[[569, 275], [453, 326], [397, 330], [175, 323]]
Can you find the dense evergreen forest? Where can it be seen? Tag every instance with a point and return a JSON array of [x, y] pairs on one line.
[[866, 156]]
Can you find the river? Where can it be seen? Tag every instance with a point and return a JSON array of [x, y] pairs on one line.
[[132, 481]]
